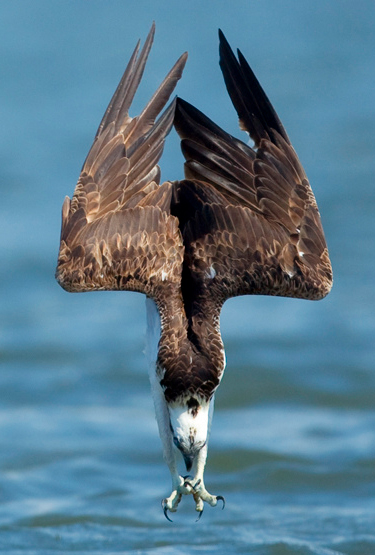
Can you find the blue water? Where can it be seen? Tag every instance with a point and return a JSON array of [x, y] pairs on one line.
[[293, 439]]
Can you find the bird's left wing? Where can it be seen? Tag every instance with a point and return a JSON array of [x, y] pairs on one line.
[[117, 231]]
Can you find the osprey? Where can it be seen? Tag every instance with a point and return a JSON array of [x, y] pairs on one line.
[[243, 221]]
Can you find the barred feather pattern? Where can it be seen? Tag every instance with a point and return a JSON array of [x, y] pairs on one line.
[[243, 221]]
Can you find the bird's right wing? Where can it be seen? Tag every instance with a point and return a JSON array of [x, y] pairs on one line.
[[117, 231], [249, 217]]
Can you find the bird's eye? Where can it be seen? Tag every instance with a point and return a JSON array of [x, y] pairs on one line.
[[176, 442]]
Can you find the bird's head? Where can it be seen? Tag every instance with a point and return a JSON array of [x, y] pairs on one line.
[[189, 423]]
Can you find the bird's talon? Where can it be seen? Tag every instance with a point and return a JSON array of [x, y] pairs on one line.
[[196, 485], [221, 498], [199, 516], [197, 490], [166, 514], [165, 510]]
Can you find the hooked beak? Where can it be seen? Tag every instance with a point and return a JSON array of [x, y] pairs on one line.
[[189, 459]]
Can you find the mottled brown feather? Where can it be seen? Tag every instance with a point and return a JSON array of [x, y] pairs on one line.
[[265, 236], [249, 219], [117, 231], [244, 221]]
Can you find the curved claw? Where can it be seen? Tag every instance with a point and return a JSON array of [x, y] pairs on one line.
[[199, 516], [165, 510], [221, 498], [195, 486]]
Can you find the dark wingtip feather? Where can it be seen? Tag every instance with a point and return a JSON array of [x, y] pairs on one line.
[[270, 116], [187, 117], [255, 111]]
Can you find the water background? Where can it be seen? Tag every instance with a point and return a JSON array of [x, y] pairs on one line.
[[293, 438]]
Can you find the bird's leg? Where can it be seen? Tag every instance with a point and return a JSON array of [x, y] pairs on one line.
[[187, 485], [171, 503], [184, 426], [200, 494], [180, 486]]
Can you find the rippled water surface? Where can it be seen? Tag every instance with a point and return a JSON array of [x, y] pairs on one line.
[[293, 441]]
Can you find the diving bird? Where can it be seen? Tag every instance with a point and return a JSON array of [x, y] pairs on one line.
[[243, 221]]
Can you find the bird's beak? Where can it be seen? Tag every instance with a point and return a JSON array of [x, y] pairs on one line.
[[189, 459]]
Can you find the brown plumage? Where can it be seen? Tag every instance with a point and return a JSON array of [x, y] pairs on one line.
[[249, 219], [244, 221], [253, 218], [117, 231]]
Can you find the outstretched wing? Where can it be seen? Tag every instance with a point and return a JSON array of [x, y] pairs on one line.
[[117, 231], [249, 218]]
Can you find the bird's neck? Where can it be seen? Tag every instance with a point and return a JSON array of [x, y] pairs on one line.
[[190, 356]]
